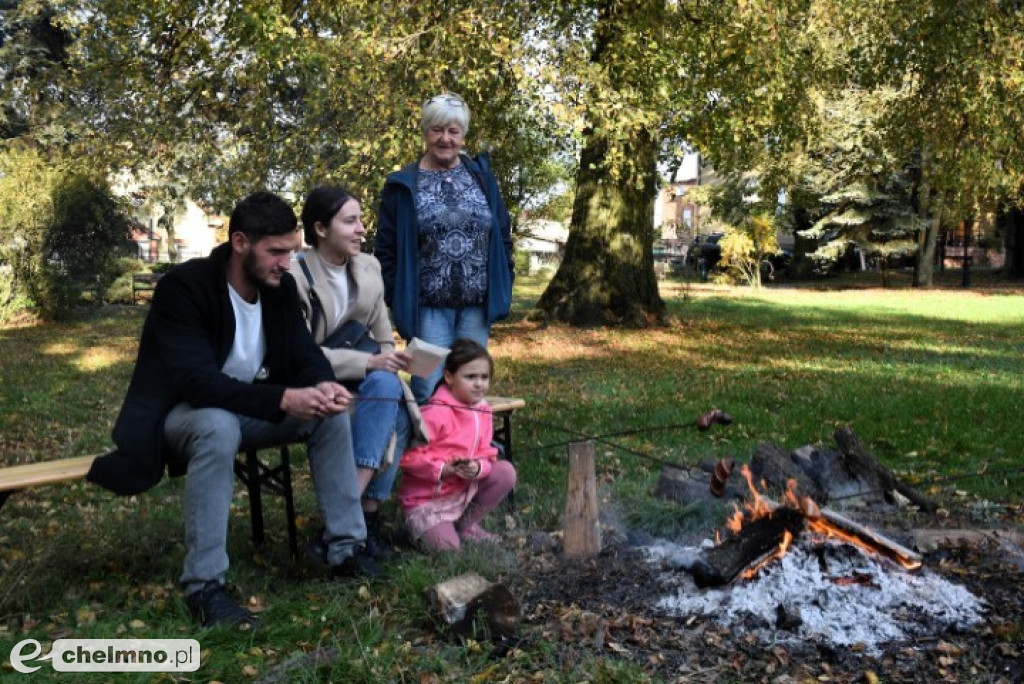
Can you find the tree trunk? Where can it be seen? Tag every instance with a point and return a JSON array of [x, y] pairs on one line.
[[607, 274], [1012, 223], [927, 239]]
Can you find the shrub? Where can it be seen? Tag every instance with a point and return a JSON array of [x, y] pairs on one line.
[[84, 242], [61, 234], [26, 208]]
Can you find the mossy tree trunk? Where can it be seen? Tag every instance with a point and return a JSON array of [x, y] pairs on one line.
[[607, 273]]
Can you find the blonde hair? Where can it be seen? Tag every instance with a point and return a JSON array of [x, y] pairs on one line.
[[444, 109]]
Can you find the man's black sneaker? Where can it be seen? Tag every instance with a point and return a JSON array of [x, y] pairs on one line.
[[316, 549], [360, 565], [213, 605]]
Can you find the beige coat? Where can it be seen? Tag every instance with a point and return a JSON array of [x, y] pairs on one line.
[[366, 305]]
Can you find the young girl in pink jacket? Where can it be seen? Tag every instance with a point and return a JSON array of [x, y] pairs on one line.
[[449, 484]]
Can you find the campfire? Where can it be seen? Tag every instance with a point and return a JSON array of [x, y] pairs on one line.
[[763, 531], [794, 566]]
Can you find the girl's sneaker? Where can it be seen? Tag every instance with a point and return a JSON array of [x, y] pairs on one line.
[[476, 534]]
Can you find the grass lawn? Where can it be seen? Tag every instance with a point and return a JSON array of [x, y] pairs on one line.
[[931, 380]]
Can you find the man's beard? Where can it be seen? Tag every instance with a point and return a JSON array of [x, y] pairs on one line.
[[255, 275]]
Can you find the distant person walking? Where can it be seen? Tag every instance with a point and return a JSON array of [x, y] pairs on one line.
[[451, 483], [444, 239]]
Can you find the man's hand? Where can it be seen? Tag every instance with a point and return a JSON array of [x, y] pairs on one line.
[[306, 403], [339, 397]]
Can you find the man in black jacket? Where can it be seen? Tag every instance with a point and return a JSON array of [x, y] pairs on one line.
[[226, 363]]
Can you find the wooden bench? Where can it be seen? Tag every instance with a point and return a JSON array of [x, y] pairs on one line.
[[143, 282], [503, 408], [259, 476]]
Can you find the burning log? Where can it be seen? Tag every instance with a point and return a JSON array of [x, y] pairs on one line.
[[841, 527], [758, 541], [768, 529]]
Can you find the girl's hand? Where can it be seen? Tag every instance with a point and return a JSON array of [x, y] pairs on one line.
[[467, 469]]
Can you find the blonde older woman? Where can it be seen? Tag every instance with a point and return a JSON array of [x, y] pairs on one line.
[[338, 284], [444, 239]]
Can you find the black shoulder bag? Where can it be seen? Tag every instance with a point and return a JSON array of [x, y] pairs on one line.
[[349, 335]]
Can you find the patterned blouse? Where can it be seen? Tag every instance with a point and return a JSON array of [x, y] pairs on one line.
[[454, 231]]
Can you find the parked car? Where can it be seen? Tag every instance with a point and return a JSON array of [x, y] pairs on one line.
[[704, 253]]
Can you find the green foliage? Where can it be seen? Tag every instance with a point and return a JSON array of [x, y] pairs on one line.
[[61, 233], [84, 242], [34, 43], [747, 246], [26, 209]]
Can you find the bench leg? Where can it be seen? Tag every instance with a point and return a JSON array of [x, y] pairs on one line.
[[289, 501], [255, 485], [504, 435]]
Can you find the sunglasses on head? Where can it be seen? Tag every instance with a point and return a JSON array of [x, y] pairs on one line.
[[452, 100]]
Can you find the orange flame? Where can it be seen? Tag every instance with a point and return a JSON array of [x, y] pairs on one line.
[[758, 507], [779, 552]]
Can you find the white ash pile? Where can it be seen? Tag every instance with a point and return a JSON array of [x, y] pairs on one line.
[[830, 593]]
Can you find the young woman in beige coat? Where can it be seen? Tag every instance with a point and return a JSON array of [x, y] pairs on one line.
[[346, 286]]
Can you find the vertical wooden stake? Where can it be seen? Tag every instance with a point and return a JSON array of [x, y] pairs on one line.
[[582, 538]]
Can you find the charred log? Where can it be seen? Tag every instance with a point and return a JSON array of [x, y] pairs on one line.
[[776, 468], [724, 563], [859, 460]]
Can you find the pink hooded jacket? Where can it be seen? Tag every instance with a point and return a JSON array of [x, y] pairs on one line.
[[455, 430]]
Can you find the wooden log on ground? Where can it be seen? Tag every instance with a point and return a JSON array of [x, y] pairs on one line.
[[776, 467], [860, 461], [469, 602], [582, 536], [449, 599]]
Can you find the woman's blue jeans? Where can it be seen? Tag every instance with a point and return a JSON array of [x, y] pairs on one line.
[[442, 327], [379, 413]]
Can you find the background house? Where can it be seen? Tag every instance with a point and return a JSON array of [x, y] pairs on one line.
[[544, 241]]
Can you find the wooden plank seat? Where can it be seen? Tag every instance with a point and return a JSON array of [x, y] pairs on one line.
[[15, 478], [259, 476]]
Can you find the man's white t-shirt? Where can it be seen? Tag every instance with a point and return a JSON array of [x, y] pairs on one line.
[[249, 347]]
